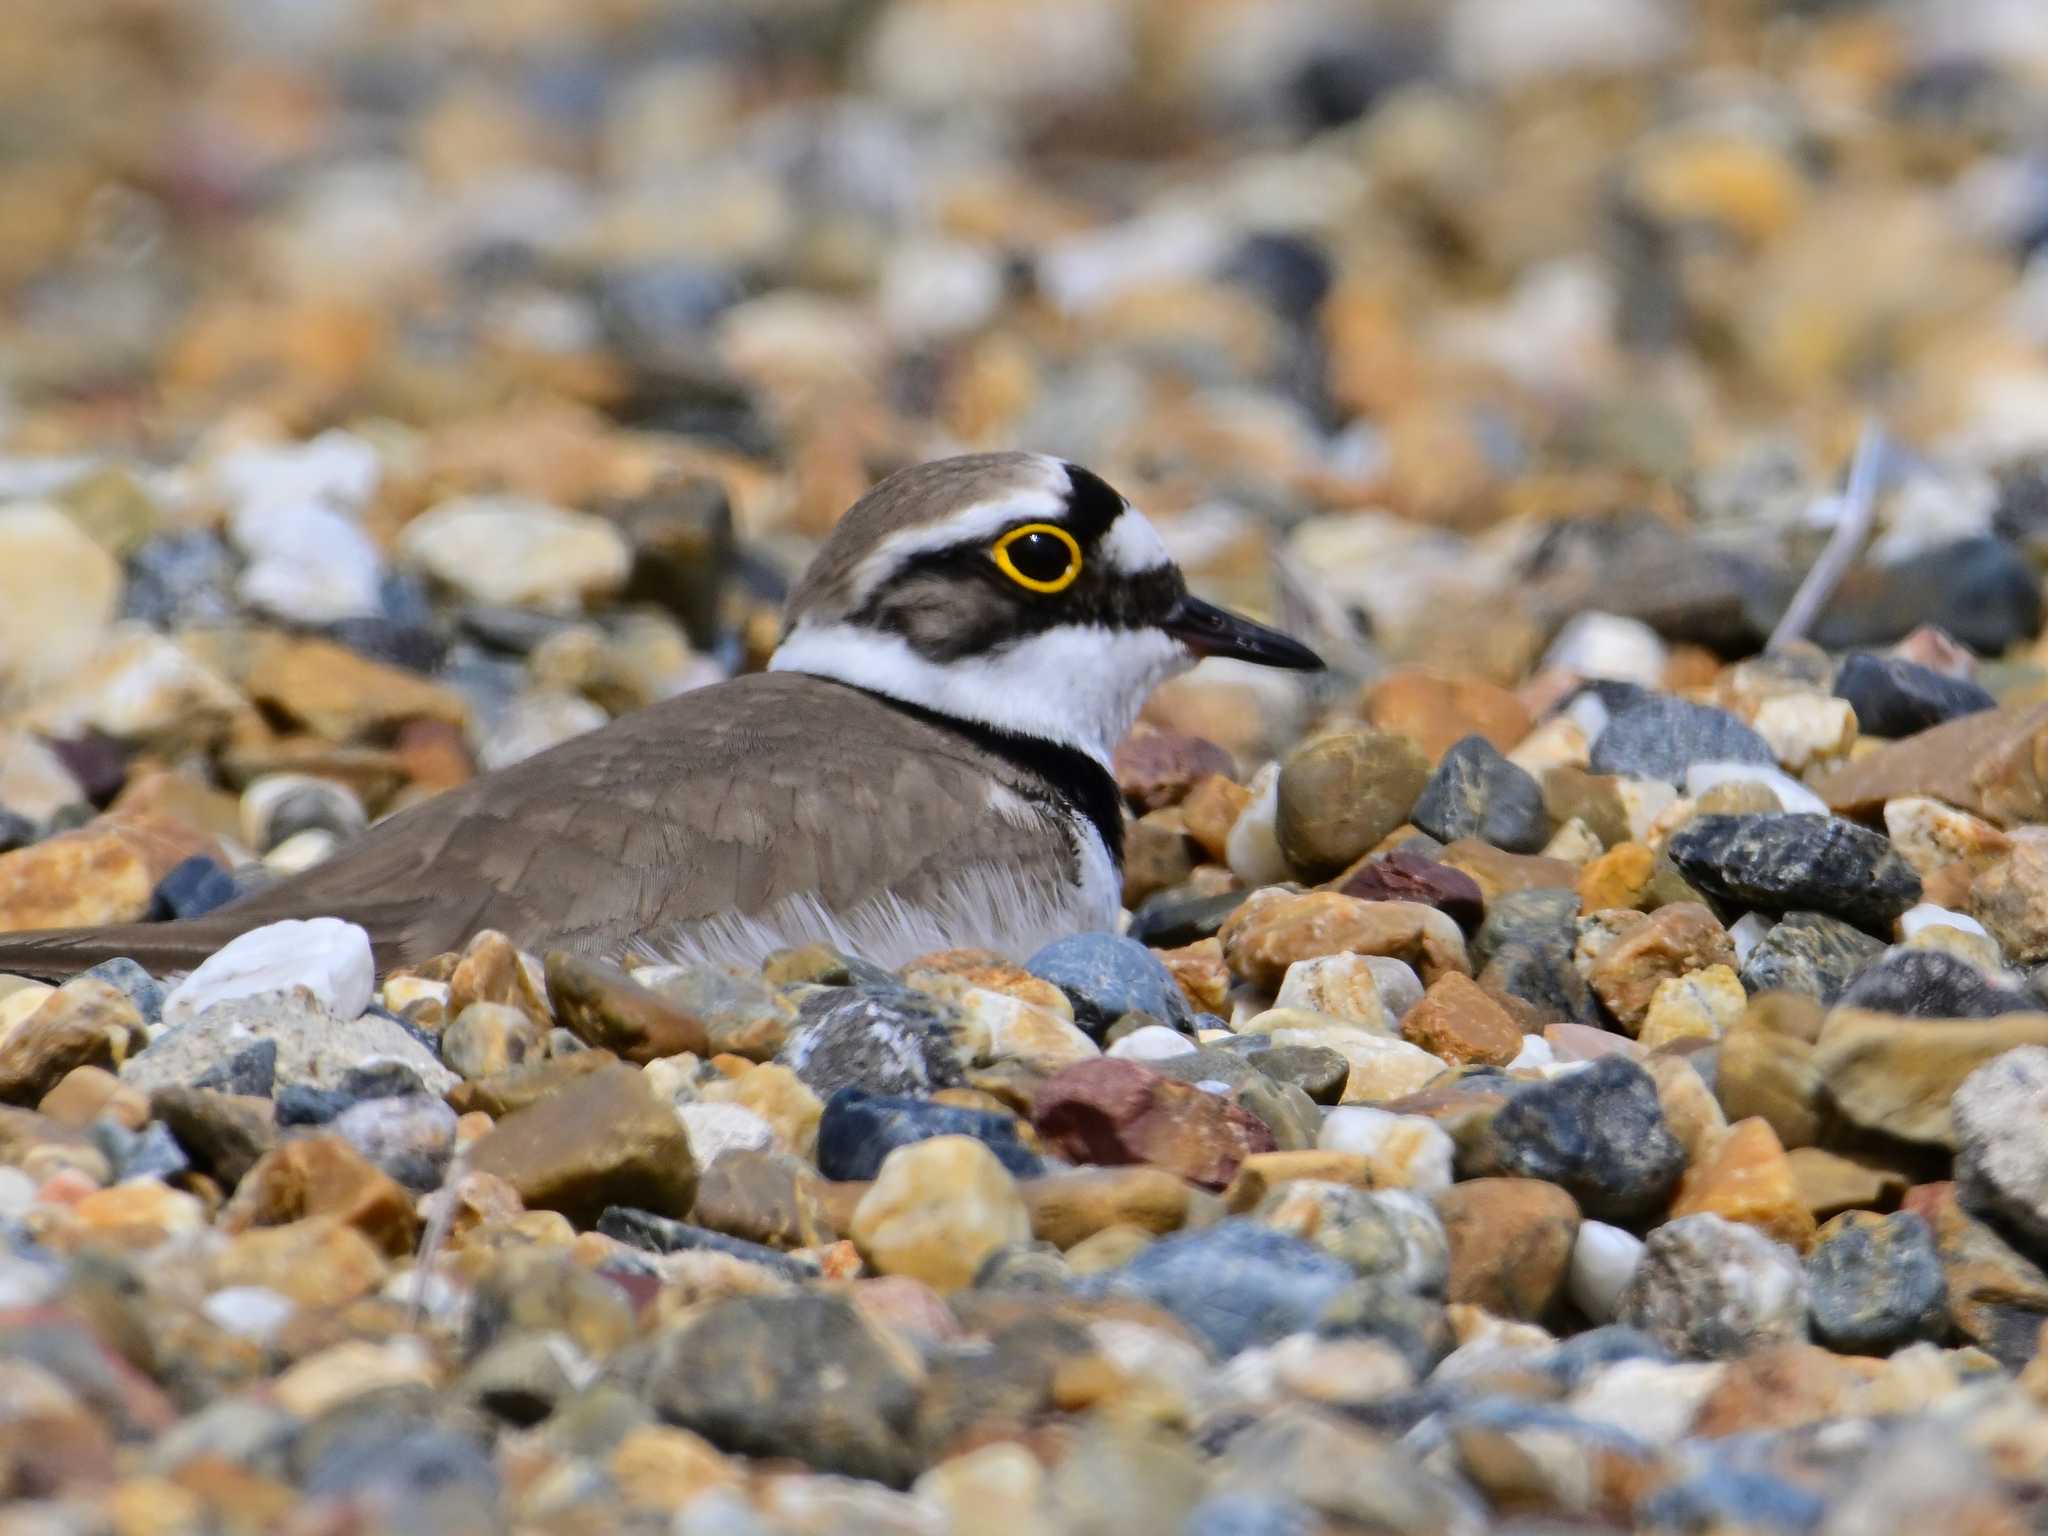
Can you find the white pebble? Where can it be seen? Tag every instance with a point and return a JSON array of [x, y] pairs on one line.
[[1418, 1153], [1747, 932], [1609, 647], [17, 1192], [1792, 795], [1253, 847], [716, 1128], [249, 1311], [328, 957], [1928, 915], [1534, 1055], [1151, 1042], [1603, 1259]]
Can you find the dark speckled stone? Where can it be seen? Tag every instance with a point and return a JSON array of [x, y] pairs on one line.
[[1775, 863]]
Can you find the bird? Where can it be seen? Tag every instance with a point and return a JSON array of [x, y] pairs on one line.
[[924, 764]]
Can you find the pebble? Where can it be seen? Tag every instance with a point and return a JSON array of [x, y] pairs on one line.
[[1708, 1289], [1598, 1133], [1105, 977], [1118, 1112], [885, 1045], [1339, 794], [1603, 1259], [1659, 737], [1932, 984], [1476, 792], [1810, 953], [1898, 1075], [2001, 1166], [517, 552], [1457, 1022], [1787, 862], [1511, 1244], [1235, 1284], [1403, 876], [327, 957], [936, 1210], [858, 1130], [600, 1140], [1272, 931], [1895, 697], [1876, 1283]]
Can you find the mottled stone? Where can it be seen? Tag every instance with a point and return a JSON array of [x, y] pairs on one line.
[[1805, 862], [763, 1196], [1524, 951], [1809, 953], [897, 1044], [1657, 736], [1710, 1289], [86, 1022], [488, 1038], [1118, 1112], [858, 1130], [1876, 1283], [803, 1375], [1599, 1133], [1704, 1005], [1671, 942], [1341, 987], [103, 872], [741, 1013], [2000, 1115], [1341, 792], [1475, 792], [1898, 1075], [1274, 929], [2011, 897], [1997, 1296], [1763, 1074], [1932, 984]]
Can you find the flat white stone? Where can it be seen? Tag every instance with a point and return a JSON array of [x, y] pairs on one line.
[[1928, 915], [1151, 1042], [328, 957]]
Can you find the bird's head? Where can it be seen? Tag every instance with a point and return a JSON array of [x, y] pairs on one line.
[[1013, 590]]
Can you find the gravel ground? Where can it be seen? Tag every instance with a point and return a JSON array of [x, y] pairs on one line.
[[1567, 1068]]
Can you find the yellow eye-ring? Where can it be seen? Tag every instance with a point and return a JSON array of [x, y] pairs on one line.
[[1040, 557]]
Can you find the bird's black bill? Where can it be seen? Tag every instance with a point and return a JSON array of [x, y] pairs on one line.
[[1208, 630]]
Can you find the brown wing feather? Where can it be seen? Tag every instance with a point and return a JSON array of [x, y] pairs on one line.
[[719, 801]]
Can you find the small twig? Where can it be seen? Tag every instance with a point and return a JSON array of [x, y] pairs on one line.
[[435, 1235], [1852, 529]]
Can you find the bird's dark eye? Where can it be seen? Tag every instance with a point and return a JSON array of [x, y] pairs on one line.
[[1040, 557]]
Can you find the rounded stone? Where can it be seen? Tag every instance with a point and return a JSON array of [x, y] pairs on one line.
[[937, 1210], [1341, 793], [1711, 1289]]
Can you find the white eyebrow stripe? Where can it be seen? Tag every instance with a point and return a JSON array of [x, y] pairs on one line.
[[1133, 545], [978, 520]]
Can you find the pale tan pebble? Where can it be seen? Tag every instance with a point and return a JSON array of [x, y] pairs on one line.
[[674, 1079], [937, 1209], [1254, 843], [352, 1370], [18, 1005], [1669, 820], [1341, 987], [1642, 802], [1575, 843], [1930, 835], [1805, 729], [1705, 1004], [994, 1488], [402, 992], [1340, 1372], [1690, 1108], [1559, 742], [1010, 1029]]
